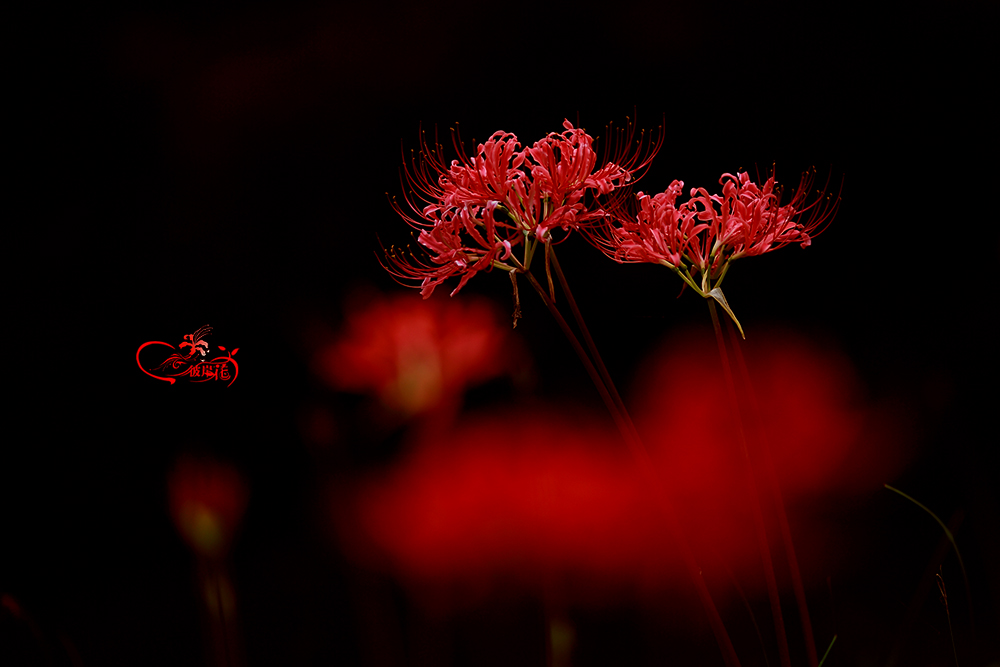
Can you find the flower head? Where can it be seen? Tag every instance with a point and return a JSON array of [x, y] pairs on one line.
[[700, 237], [472, 213], [417, 356], [207, 501]]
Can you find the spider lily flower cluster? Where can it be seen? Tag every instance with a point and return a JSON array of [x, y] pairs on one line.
[[700, 238], [492, 209]]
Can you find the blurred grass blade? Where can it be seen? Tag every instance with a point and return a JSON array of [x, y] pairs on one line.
[[823, 659], [951, 538]]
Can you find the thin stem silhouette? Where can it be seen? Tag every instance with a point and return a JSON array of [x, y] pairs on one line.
[[609, 394], [779, 503], [758, 515]]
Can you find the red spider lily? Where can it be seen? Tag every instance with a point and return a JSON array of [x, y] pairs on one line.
[[521, 499], [445, 243], [545, 497], [564, 171], [473, 212], [701, 237], [207, 501], [752, 220], [416, 356], [827, 441], [541, 496]]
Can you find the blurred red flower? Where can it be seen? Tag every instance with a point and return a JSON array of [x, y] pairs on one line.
[[207, 500], [826, 441], [418, 355], [541, 497], [521, 499], [809, 399]]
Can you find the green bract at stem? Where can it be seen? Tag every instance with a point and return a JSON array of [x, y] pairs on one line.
[[716, 293], [704, 292]]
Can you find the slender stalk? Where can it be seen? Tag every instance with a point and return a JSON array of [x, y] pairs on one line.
[[827, 652], [588, 339], [951, 538], [758, 516], [222, 618], [753, 618], [786, 532], [944, 601], [923, 589], [587, 364], [641, 454], [549, 252]]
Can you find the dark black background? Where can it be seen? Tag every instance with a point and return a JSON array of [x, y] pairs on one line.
[[227, 164]]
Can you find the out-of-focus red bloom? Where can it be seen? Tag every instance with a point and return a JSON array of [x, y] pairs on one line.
[[809, 402], [416, 355], [541, 497], [474, 212], [525, 500], [825, 441], [207, 501], [699, 238]]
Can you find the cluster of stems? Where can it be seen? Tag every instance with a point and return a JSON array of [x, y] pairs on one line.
[[598, 372], [591, 359]]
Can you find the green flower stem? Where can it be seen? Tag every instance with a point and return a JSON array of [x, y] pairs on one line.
[[827, 652], [758, 515], [722, 274], [686, 278], [549, 255], [529, 251]]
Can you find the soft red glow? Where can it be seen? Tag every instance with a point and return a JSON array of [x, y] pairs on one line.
[[10, 604], [543, 497], [815, 423], [207, 500], [809, 401], [515, 498], [415, 355]]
